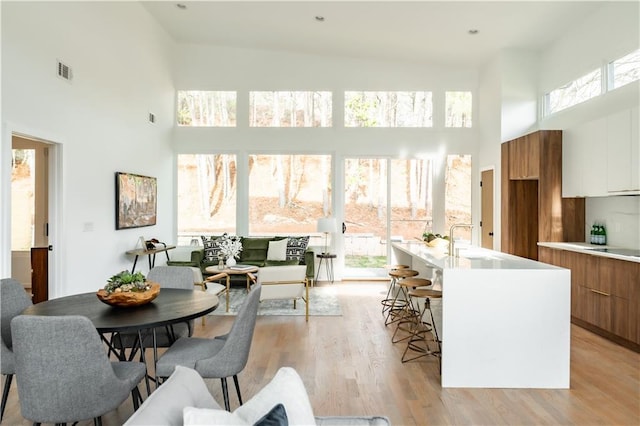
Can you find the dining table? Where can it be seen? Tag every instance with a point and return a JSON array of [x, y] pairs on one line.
[[171, 306]]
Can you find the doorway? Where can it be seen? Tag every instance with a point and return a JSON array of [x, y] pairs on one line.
[[385, 201], [486, 214], [30, 214]]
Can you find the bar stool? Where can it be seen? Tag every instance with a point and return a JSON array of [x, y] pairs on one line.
[[399, 298], [386, 302], [408, 319], [418, 341]]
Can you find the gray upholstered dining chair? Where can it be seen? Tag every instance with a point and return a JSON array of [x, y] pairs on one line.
[[13, 300], [63, 372], [217, 358], [179, 277]]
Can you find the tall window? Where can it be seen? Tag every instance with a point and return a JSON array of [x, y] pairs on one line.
[[290, 109], [206, 195], [458, 108], [458, 193], [574, 92], [206, 108], [388, 109], [288, 193], [411, 198], [624, 70]]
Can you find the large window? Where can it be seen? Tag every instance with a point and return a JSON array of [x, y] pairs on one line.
[[458, 108], [624, 70], [205, 108], [458, 194], [290, 109], [288, 193], [574, 92], [206, 195], [388, 109]]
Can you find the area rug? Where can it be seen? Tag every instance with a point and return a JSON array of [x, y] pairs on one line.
[[324, 302]]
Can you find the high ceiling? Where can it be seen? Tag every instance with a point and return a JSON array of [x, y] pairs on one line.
[[435, 32]]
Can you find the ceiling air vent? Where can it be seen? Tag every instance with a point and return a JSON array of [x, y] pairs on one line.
[[64, 71], [152, 118]]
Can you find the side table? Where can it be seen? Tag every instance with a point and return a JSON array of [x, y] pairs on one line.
[[328, 264], [151, 253]]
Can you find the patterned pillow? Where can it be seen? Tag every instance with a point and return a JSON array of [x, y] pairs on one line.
[[211, 247], [296, 246]]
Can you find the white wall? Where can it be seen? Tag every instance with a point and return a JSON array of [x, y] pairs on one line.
[[608, 34], [214, 68], [121, 71]]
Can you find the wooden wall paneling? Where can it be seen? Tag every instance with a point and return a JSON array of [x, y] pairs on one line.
[[550, 186], [573, 219]]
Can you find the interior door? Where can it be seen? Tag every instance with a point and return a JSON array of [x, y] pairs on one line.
[[486, 219]]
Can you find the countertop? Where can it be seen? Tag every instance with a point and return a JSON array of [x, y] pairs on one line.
[[471, 257], [587, 248]]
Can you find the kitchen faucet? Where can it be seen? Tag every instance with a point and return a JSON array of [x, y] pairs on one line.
[[451, 243]]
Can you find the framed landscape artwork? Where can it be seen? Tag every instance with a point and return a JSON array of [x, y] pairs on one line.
[[136, 200]]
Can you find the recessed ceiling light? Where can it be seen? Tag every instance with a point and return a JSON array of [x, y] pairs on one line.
[[473, 31], [319, 18], [181, 6]]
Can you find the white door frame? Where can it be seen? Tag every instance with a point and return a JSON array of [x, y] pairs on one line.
[[56, 232]]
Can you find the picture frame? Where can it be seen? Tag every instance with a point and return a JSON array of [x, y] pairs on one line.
[[136, 200]]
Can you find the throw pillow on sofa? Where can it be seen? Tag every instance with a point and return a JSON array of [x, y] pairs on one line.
[[296, 246], [211, 247], [285, 388], [277, 250]]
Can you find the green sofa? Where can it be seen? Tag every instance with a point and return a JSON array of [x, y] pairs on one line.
[[254, 252]]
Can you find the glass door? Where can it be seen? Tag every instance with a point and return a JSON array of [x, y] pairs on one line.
[[365, 217], [386, 200]]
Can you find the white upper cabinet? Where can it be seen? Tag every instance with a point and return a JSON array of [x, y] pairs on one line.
[[623, 152], [584, 160], [602, 157]]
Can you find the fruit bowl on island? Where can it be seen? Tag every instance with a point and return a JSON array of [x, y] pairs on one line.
[[127, 290]]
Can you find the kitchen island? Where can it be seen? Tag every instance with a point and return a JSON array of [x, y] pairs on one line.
[[505, 319]]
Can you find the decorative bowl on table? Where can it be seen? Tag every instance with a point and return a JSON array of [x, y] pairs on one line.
[[127, 290]]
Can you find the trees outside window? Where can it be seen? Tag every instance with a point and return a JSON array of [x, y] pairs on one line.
[[290, 109], [458, 109], [574, 92], [288, 193], [388, 109], [624, 70], [207, 187], [206, 108], [458, 193]]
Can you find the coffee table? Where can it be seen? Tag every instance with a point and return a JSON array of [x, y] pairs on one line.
[[222, 273]]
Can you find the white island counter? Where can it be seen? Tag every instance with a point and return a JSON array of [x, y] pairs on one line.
[[505, 319]]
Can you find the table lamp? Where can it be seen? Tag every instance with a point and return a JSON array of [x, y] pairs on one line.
[[326, 225]]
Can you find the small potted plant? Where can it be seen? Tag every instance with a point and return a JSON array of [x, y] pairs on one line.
[[128, 289]]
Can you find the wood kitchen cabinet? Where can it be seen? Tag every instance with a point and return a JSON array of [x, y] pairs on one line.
[[605, 294], [533, 209], [524, 157]]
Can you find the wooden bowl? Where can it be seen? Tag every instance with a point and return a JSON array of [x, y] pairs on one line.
[[127, 299]]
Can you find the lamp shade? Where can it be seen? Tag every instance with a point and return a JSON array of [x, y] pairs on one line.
[[327, 224]]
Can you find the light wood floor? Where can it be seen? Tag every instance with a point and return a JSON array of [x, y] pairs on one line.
[[350, 367]]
